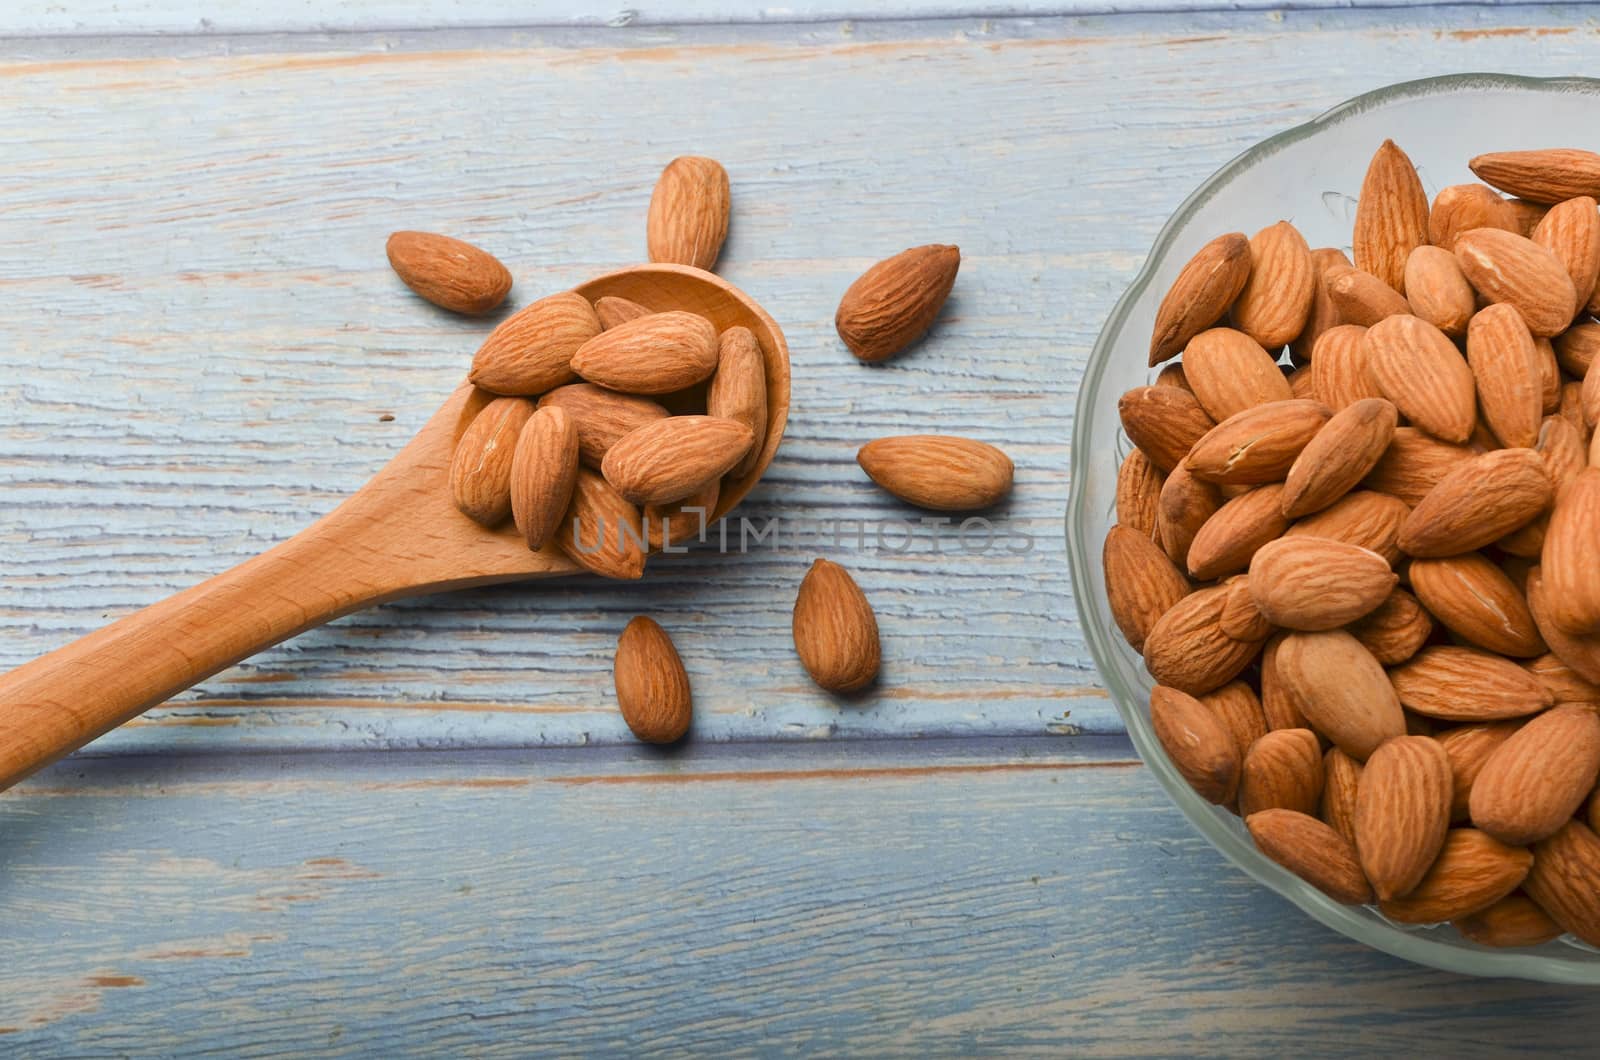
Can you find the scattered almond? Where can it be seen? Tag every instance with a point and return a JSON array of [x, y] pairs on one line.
[[894, 303], [448, 272], [689, 209], [939, 472], [835, 630], [652, 686]]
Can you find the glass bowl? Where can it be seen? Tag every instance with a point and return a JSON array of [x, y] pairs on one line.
[[1308, 175]]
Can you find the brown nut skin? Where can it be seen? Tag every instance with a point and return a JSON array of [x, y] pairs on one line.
[[835, 630], [652, 685]]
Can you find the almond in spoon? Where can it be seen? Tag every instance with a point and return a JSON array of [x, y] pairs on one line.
[[531, 350], [672, 458], [653, 354], [543, 471]]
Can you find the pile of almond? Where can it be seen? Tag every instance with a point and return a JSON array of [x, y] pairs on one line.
[[1367, 579]]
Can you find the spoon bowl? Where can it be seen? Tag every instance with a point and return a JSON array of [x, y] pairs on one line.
[[397, 536]]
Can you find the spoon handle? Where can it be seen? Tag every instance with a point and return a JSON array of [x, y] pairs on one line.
[[62, 700]]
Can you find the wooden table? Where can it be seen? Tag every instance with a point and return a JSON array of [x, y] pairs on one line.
[[424, 829]]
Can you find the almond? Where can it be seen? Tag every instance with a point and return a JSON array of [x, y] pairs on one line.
[[1463, 207], [1571, 231], [1581, 653], [1562, 881], [1257, 445], [1414, 463], [531, 350], [1538, 778], [672, 458], [1576, 348], [1482, 499], [1187, 649], [1471, 873], [1549, 376], [654, 354], [1241, 619], [1589, 399], [1277, 704], [1515, 920], [1300, 383], [602, 416], [894, 303], [1324, 316], [1464, 684], [1141, 583], [1506, 367], [835, 631], [1173, 375], [1478, 602], [678, 521], [1229, 372], [543, 470], [1282, 770], [1311, 583], [1206, 286], [1421, 371], [601, 531], [1395, 630], [1371, 520], [689, 208], [480, 471], [1361, 298], [1391, 216], [1139, 485], [1164, 422], [1312, 851], [611, 311], [1186, 504], [1341, 454], [1569, 565], [1340, 689], [1196, 742], [1236, 706], [1563, 682], [1544, 176], [1572, 410], [1229, 538], [937, 471], [652, 686], [1402, 813], [1276, 299], [1527, 215], [1506, 267], [738, 391], [1438, 290], [448, 272], [1468, 747]]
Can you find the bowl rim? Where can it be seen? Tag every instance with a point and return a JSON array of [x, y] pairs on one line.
[[1467, 958]]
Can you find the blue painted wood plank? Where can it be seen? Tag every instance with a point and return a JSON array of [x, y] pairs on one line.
[[937, 898]]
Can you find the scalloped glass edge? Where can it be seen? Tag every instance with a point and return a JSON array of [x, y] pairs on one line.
[[1220, 828]]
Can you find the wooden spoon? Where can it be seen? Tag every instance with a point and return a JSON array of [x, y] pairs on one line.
[[399, 535]]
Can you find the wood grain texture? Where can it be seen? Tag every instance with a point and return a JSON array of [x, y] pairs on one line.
[[82, 17], [980, 900]]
